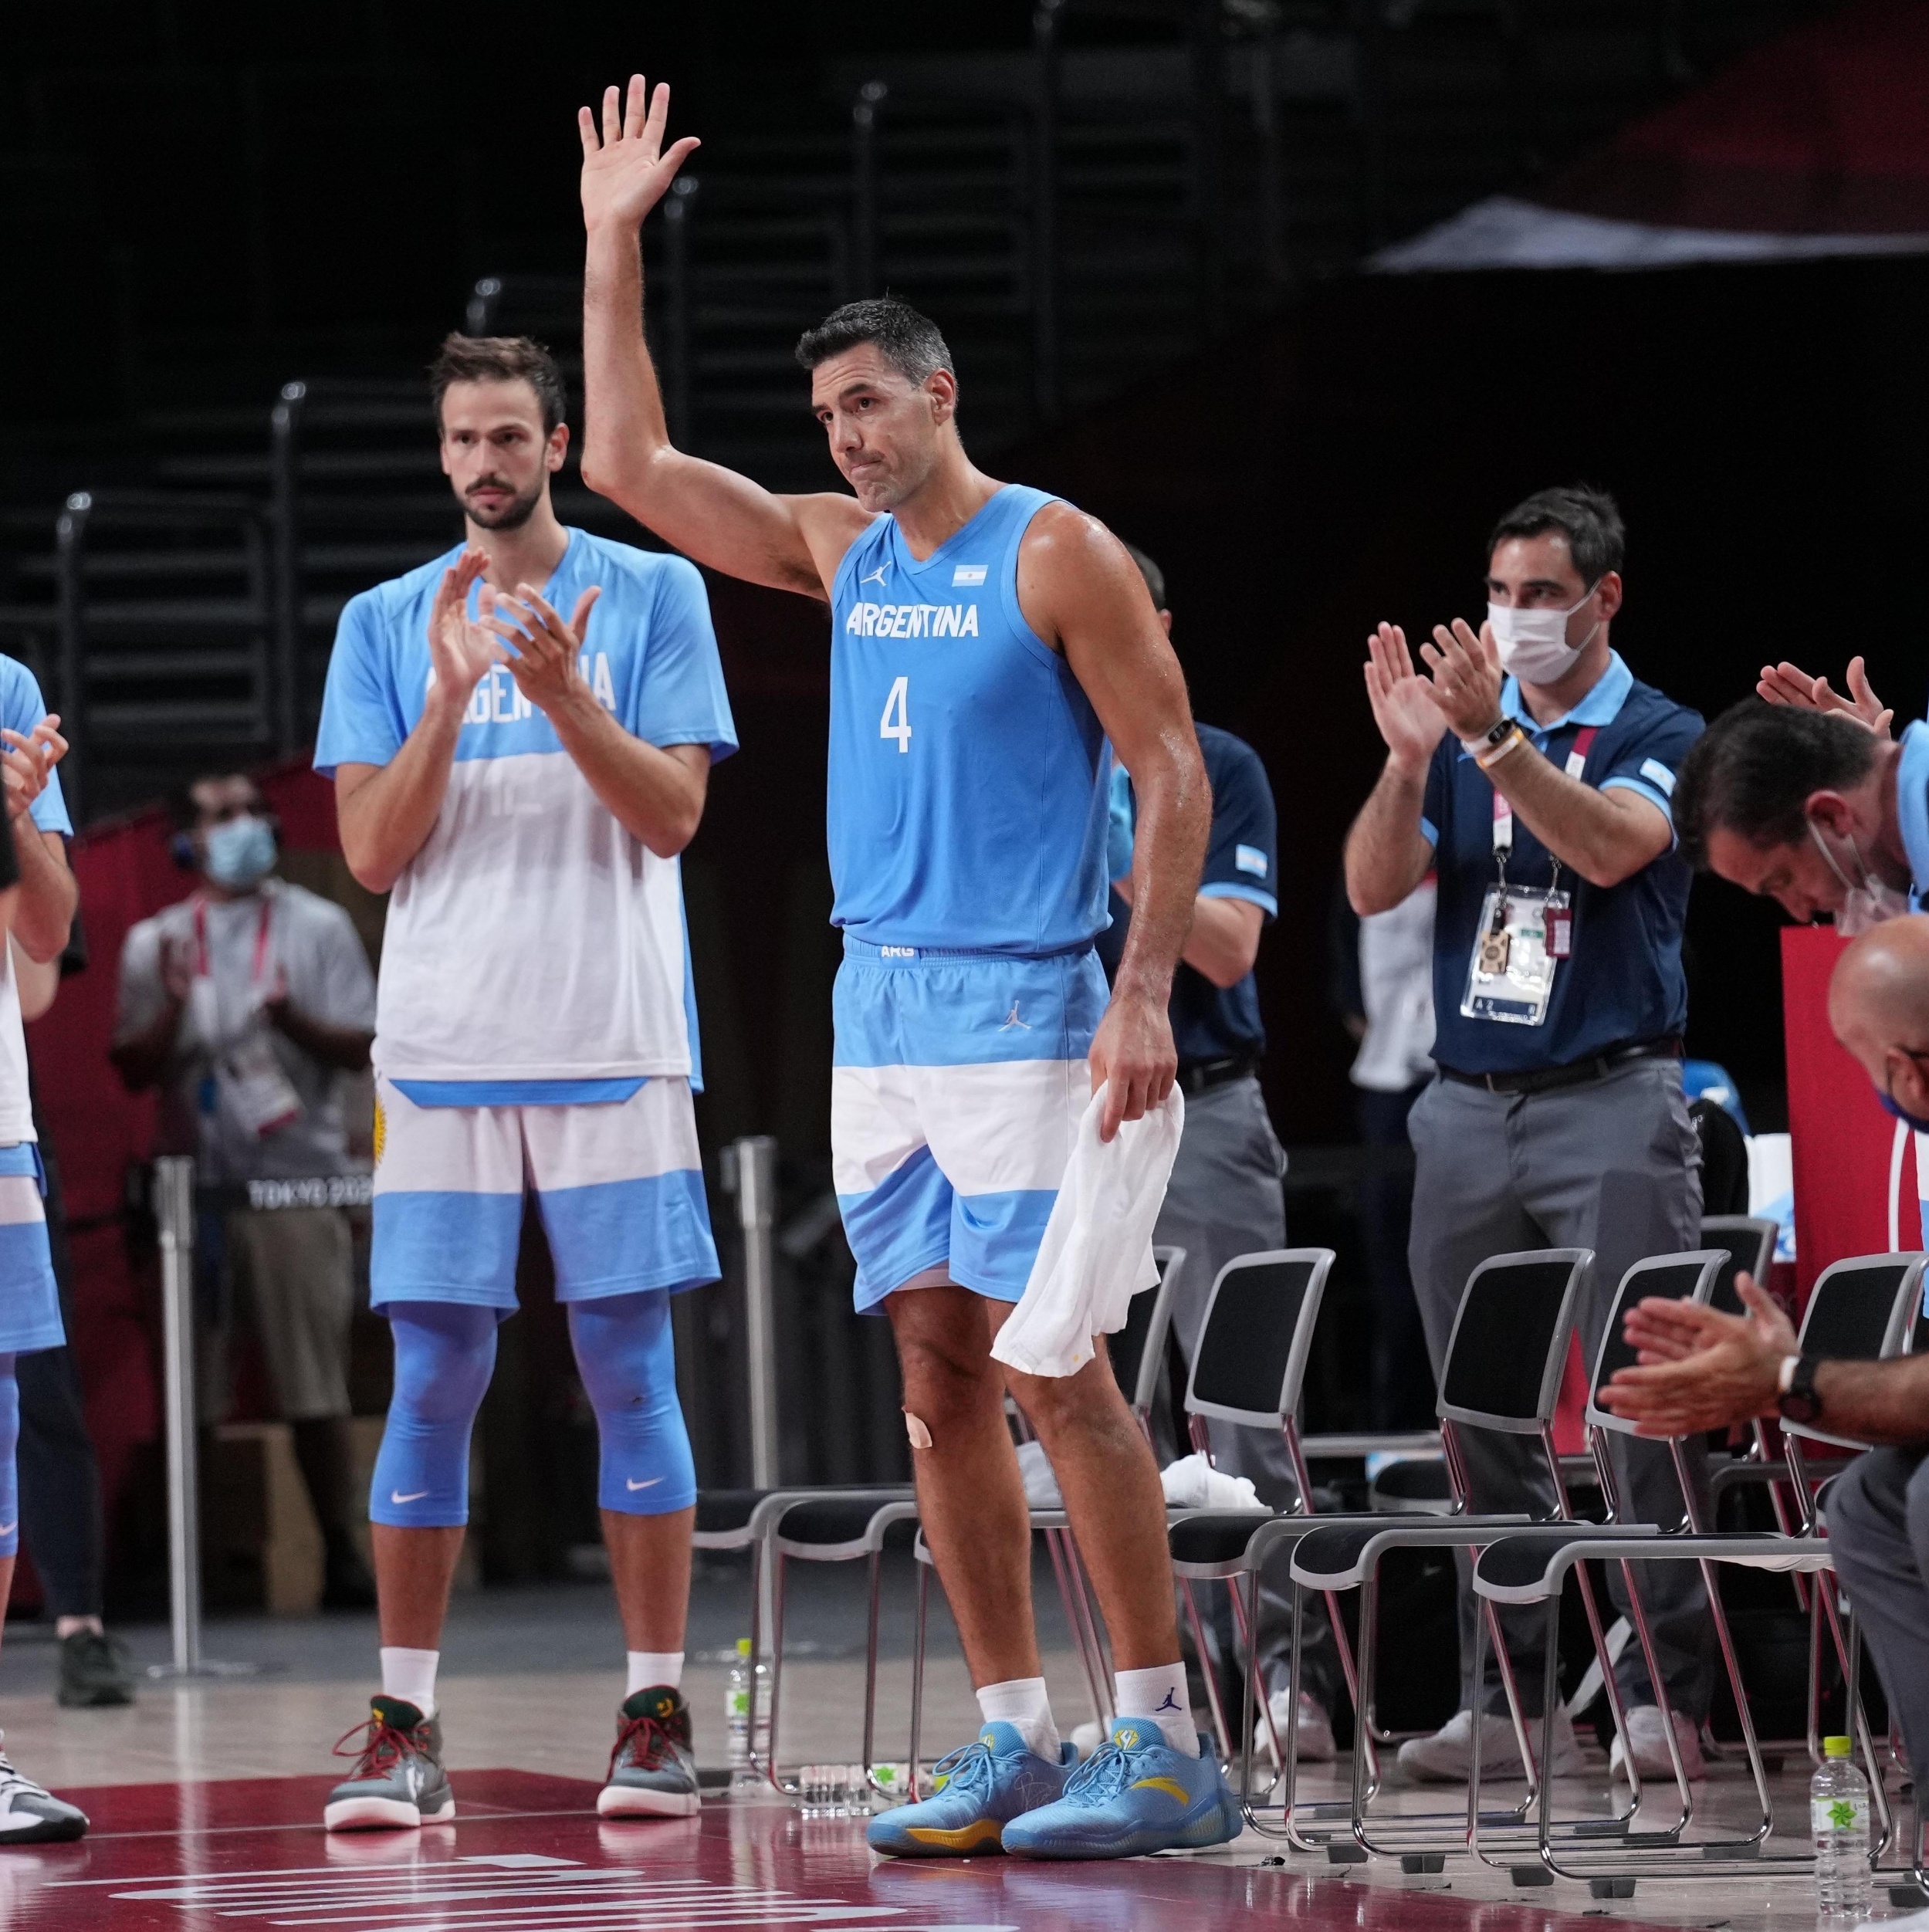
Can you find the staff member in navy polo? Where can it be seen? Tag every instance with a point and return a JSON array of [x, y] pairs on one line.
[[1532, 772], [1225, 1197]]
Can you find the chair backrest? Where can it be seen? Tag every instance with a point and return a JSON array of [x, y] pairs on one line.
[[1676, 1277], [1138, 1350], [1508, 1349], [1749, 1242], [1864, 1308], [1251, 1356]]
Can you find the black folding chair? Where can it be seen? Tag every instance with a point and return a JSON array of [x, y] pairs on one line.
[[1505, 1360]]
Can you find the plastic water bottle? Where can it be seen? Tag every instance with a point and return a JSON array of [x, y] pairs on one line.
[[1839, 1810], [736, 1711]]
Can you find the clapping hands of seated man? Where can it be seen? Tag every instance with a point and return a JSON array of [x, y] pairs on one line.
[[1697, 1369]]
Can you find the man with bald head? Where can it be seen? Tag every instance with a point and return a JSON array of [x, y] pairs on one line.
[[1699, 1369]]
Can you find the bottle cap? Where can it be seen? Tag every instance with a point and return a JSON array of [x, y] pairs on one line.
[[1838, 1747], [743, 1646]]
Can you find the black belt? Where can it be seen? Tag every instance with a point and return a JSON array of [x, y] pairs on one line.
[[1544, 1079], [1196, 1076]]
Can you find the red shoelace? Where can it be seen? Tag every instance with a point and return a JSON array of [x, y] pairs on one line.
[[381, 1745], [650, 1737]]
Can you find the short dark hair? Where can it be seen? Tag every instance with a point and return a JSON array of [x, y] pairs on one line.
[[1589, 519], [1754, 770], [910, 342], [498, 359], [185, 809], [1155, 577]]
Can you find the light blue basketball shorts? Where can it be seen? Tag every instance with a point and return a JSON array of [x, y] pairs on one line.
[[619, 1184], [29, 1301], [959, 1082]]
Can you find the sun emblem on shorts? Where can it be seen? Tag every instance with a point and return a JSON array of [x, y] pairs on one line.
[[381, 1132]]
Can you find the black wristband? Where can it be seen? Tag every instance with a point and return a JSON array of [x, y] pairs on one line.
[[1800, 1402]]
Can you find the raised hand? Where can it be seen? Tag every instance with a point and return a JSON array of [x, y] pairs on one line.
[[1788, 684], [460, 649], [625, 172], [1403, 706], [547, 665], [1466, 675]]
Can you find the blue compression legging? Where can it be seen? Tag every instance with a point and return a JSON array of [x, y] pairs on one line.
[[444, 1353], [9, 1469]]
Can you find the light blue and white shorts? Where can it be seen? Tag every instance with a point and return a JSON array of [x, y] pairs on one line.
[[959, 1082], [619, 1183], [29, 1300]]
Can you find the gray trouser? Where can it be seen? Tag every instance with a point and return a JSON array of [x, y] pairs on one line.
[[1878, 1521], [1612, 1165], [1224, 1199]]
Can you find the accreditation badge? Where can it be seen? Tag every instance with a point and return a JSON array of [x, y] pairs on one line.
[[1525, 932]]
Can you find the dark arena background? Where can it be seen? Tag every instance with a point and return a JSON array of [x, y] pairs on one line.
[[1296, 296]]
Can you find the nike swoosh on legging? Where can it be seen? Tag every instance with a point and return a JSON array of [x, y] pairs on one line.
[[396, 1496], [650, 1483]]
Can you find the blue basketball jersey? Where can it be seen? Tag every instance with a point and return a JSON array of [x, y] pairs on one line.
[[968, 794]]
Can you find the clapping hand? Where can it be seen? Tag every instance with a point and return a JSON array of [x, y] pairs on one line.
[[461, 650], [1409, 719], [1698, 1368], [545, 663], [1788, 684], [27, 761]]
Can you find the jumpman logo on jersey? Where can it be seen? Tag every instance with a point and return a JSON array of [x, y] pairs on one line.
[[876, 577], [1012, 1020], [1171, 1704]]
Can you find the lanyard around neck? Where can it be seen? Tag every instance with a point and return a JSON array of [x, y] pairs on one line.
[[259, 970]]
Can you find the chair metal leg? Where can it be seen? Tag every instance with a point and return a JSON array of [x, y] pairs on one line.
[[1248, 1634], [1211, 1676], [1079, 1638], [917, 1677], [871, 1674], [777, 1673]]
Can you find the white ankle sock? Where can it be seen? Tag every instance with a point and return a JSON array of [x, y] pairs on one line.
[[1021, 1702], [410, 1674], [649, 1669], [1160, 1694]]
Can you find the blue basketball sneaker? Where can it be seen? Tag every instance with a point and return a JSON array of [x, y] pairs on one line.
[[1134, 1794], [981, 1787]]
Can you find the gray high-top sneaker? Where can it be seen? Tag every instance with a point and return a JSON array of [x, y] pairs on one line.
[[30, 1814], [398, 1778], [652, 1769]]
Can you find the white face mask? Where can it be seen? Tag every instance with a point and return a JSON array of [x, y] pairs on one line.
[[1869, 903], [1533, 644]]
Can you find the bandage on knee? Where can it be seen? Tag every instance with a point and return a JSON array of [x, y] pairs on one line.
[[914, 1427]]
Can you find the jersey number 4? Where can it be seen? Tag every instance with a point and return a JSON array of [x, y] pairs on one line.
[[896, 721]]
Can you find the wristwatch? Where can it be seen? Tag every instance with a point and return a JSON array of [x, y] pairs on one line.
[[1489, 738], [1799, 1401]]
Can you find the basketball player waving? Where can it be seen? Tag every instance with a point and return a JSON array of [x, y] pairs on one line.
[[986, 641]]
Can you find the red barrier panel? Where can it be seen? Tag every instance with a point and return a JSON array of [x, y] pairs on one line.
[[1855, 1168]]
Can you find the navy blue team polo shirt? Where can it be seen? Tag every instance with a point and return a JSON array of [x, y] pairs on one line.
[[1623, 984], [1242, 862]]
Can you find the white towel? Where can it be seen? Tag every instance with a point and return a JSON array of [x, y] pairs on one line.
[[1192, 1483], [1097, 1252]]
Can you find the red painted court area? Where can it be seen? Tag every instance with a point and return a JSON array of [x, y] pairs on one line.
[[529, 1854]]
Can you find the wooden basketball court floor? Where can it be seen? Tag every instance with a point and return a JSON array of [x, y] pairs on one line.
[[179, 1844]]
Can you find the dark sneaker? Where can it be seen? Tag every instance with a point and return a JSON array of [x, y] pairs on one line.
[[652, 1769], [30, 1814], [398, 1778], [95, 1670]]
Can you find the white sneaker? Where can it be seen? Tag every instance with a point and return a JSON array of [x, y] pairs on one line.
[[1447, 1757], [30, 1814], [1650, 1744], [1315, 1740]]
